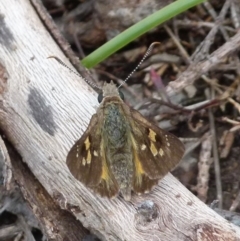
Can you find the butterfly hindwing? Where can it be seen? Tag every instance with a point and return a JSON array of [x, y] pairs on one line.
[[87, 162]]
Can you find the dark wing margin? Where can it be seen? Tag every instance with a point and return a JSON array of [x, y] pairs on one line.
[[87, 163]]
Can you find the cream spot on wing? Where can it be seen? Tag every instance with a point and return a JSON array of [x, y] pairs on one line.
[[87, 143], [89, 157], [77, 154], [161, 152], [153, 149], [83, 161], [95, 153], [143, 147], [152, 135], [168, 144]]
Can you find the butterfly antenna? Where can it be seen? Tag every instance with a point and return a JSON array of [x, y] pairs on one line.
[[92, 84], [144, 57]]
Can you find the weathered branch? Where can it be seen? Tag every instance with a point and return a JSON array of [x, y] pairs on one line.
[[45, 109], [195, 70]]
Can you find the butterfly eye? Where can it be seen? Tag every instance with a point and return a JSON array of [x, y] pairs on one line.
[[100, 97], [121, 95]]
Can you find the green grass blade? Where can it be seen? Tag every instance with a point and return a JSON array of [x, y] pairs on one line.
[[137, 30]]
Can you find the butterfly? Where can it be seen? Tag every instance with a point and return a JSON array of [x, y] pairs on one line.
[[122, 151]]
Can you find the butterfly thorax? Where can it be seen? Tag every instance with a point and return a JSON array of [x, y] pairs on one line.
[[118, 148]]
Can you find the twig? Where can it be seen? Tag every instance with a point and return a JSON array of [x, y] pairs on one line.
[[188, 109], [194, 71], [235, 203], [204, 165], [235, 13], [226, 143], [215, 156], [199, 24], [207, 45], [178, 44], [219, 18], [203, 49]]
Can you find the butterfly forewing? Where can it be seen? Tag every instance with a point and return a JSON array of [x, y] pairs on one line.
[[88, 163], [156, 152], [83, 165]]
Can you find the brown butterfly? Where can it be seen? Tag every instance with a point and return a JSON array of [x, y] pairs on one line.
[[121, 150]]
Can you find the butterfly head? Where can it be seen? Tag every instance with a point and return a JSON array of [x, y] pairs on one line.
[[110, 90]]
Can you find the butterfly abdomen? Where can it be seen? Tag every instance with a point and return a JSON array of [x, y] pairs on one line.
[[118, 147]]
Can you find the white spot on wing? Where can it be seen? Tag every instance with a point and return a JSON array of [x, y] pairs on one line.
[[168, 144], [161, 152], [143, 147]]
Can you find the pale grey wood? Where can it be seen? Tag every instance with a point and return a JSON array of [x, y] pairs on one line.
[[45, 109]]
